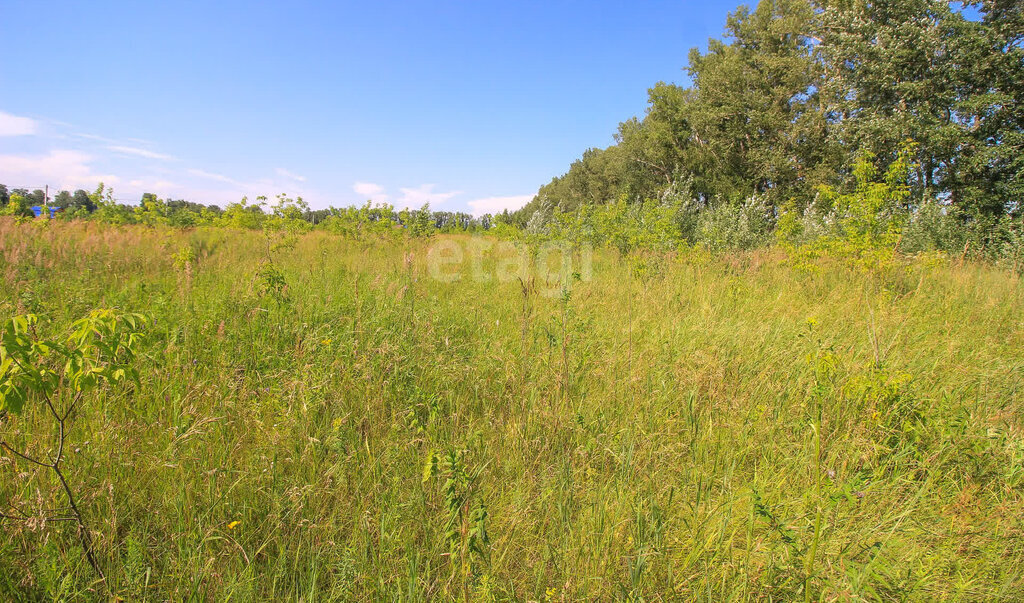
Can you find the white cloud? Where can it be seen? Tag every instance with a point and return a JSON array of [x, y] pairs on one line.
[[13, 125], [369, 189], [61, 169], [231, 189], [94, 137], [424, 193], [291, 175], [139, 152], [496, 205], [69, 169], [104, 139], [212, 176], [152, 186]]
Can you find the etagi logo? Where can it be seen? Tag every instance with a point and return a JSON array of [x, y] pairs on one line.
[[553, 265]]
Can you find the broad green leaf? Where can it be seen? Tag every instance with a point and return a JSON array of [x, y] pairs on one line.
[[12, 398]]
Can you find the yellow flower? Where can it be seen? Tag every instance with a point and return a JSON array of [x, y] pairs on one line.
[[234, 524]]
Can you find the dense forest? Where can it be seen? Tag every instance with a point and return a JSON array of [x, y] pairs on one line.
[[799, 90]]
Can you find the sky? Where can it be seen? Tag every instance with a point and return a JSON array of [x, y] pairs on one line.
[[470, 106]]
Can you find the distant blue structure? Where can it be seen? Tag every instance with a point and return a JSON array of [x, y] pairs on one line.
[[38, 211]]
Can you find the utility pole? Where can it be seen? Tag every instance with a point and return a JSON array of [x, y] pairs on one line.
[[46, 195]]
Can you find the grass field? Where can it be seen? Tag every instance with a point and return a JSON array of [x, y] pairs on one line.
[[688, 426]]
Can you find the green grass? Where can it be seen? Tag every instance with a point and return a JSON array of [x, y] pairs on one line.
[[651, 436]]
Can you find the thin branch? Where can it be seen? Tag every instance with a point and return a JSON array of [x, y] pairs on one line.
[[29, 517], [7, 447], [20, 512], [74, 402], [49, 404], [60, 441], [83, 532], [42, 511]]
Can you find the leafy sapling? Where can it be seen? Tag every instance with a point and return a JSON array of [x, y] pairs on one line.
[[54, 377], [466, 513]]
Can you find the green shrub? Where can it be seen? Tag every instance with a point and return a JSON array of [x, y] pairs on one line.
[[736, 226]]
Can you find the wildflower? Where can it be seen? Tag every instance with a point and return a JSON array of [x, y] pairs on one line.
[[234, 524]]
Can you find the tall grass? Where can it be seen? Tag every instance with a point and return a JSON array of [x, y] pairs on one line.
[[716, 426]]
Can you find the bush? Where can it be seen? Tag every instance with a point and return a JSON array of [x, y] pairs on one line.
[[932, 228], [731, 226], [1011, 249], [18, 206]]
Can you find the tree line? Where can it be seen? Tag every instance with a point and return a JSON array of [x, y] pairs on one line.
[[800, 90], [808, 114], [153, 211]]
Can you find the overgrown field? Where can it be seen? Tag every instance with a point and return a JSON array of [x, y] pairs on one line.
[[321, 418]]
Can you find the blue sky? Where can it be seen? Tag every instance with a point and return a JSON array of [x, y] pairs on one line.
[[467, 105]]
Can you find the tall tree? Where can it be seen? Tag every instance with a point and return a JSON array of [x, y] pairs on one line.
[[755, 118], [921, 70], [751, 123]]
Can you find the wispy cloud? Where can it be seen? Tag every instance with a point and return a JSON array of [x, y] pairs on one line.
[[94, 158], [59, 168], [14, 125], [290, 175], [213, 176], [139, 152], [81, 167], [495, 205], [424, 193], [157, 186], [236, 188], [411, 197], [102, 139]]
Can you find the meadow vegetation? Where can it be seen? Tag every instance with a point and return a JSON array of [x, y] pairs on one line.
[[767, 346], [317, 417]]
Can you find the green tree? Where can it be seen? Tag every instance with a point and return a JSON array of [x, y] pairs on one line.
[[82, 200], [756, 123], [63, 199], [921, 70], [18, 206], [751, 123]]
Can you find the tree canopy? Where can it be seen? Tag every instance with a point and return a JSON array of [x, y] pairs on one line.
[[798, 89]]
